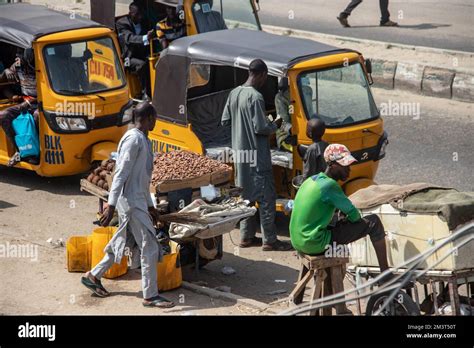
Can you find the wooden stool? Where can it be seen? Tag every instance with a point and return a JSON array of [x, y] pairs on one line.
[[328, 275]]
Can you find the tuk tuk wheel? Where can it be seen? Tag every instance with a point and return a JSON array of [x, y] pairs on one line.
[[402, 305]]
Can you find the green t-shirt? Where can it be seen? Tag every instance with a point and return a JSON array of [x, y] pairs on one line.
[[314, 207]]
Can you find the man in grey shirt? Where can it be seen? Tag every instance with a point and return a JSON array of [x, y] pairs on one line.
[[250, 131], [313, 161]]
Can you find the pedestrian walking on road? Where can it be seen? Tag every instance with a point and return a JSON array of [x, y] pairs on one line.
[[384, 19], [137, 214], [244, 112]]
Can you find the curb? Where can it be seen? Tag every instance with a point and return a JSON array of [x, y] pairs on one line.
[[416, 78], [227, 297]]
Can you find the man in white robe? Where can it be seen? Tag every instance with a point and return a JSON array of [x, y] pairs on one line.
[[130, 196]]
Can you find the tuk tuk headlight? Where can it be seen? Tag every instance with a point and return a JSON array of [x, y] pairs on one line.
[[71, 123], [382, 148]]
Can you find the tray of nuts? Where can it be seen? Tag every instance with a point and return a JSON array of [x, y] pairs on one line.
[[183, 169]]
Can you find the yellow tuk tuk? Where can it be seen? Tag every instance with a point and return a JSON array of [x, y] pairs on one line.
[[200, 16], [83, 98], [195, 75]]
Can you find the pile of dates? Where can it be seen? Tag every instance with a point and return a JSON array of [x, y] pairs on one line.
[[182, 165]]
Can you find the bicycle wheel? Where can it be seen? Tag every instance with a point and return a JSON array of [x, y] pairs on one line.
[[401, 305]]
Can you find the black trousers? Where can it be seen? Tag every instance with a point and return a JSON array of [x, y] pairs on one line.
[[385, 15], [141, 68], [345, 232]]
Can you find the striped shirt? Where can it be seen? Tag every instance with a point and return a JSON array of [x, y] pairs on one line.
[[170, 31]]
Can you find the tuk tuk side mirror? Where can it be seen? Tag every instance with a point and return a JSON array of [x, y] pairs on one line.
[[368, 66], [368, 69]]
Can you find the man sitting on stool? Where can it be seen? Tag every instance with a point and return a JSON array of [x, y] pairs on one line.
[[315, 204]]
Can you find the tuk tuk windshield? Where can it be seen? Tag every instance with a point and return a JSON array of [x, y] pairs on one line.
[[84, 67], [339, 96], [211, 15]]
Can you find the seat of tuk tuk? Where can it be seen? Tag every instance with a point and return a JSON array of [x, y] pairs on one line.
[[205, 113]]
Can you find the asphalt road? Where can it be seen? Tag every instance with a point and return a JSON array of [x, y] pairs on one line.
[[437, 147], [442, 24]]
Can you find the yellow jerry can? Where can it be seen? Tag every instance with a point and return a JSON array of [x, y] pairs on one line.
[[100, 237]]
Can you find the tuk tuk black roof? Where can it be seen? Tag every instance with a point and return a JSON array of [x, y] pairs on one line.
[[238, 47], [21, 24], [234, 47]]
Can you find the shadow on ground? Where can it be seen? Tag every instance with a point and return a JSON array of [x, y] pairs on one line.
[[67, 185], [422, 26]]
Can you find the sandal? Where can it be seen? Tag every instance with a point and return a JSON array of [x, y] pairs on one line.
[[159, 302], [14, 160], [96, 287]]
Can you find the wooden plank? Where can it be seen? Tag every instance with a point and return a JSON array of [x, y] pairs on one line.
[[221, 176], [174, 185], [454, 296], [317, 290], [327, 311], [328, 262], [435, 298], [300, 287], [94, 190], [337, 283], [296, 296]]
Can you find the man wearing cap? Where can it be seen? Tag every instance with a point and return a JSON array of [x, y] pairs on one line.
[[314, 207]]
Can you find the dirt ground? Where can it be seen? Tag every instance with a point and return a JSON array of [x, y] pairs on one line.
[[34, 209]]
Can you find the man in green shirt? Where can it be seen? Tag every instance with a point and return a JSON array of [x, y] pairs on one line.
[[314, 207]]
